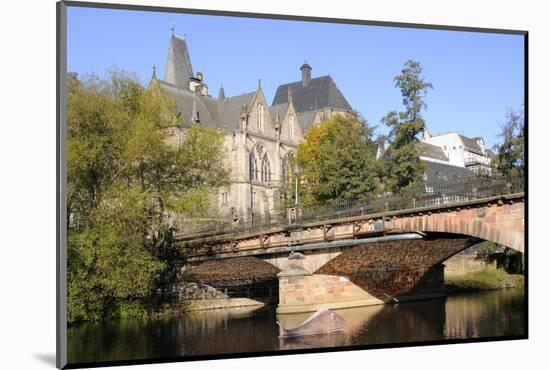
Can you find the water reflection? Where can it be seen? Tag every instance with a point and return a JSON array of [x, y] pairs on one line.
[[251, 330], [336, 339], [498, 313]]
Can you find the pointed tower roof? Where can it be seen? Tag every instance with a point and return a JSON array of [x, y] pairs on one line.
[[221, 94], [178, 69]]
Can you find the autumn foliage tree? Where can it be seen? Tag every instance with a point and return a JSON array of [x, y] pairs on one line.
[[337, 161], [123, 180]]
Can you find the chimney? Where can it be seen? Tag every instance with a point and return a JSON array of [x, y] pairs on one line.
[[306, 74]]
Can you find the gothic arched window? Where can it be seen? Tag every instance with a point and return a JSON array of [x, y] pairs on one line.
[[260, 118], [253, 166], [266, 169]]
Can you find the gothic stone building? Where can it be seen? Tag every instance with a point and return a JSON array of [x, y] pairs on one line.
[[259, 138]]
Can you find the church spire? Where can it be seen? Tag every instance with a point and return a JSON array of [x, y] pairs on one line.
[[221, 94], [178, 69]]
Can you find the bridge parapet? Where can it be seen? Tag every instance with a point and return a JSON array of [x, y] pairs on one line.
[[499, 219], [444, 194]]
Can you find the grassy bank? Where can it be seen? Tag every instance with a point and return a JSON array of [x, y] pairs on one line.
[[486, 279]]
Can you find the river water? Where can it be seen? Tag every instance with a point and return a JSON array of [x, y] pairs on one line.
[[471, 315]]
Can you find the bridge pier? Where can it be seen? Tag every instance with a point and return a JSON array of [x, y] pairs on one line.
[[369, 274], [302, 291]]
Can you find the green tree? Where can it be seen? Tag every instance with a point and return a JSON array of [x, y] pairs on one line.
[[337, 161], [511, 152], [124, 179], [402, 166]]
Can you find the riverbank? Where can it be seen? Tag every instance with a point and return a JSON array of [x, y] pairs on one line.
[[485, 279], [186, 307]]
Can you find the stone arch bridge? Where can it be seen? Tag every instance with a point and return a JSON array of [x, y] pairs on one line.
[[362, 258]]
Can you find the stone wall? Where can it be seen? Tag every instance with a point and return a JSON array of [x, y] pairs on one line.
[[303, 292], [192, 291], [462, 264]]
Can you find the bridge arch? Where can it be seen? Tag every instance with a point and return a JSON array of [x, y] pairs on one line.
[[501, 223], [240, 277]]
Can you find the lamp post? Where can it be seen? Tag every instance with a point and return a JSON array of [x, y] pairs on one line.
[[296, 173]]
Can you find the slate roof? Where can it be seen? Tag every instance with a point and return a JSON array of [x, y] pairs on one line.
[[471, 144], [230, 110], [178, 68], [440, 173], [223, 115], [278, 110], [431, 151], [305, 119], [319, 93], [185, 100]]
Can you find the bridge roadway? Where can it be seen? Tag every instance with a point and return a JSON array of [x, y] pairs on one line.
[[497, 218]]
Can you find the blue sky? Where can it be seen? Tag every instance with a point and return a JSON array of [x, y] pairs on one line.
[[475, 76]]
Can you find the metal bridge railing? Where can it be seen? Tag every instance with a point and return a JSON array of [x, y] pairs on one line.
[[436, 194], [430, 195]]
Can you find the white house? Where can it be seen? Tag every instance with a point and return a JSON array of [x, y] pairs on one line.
[[462, 151]]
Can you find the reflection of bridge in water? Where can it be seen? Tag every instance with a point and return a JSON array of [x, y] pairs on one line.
[[214, 332], [387, 250]]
